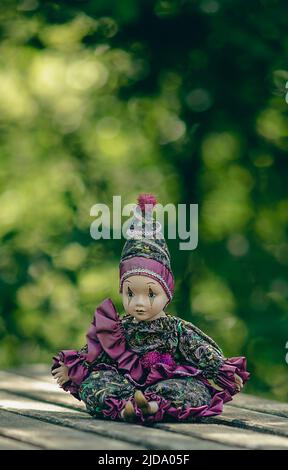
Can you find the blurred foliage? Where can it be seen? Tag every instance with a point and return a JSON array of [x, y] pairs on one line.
[[184, 99]]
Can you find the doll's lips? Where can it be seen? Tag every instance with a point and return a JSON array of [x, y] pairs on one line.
[[140, 311]]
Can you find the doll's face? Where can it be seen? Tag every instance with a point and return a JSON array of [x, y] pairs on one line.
[[143, 298]]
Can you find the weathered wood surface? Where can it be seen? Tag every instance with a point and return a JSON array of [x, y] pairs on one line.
[[36, 414]]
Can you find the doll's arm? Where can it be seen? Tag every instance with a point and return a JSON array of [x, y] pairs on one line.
[[202, 351]]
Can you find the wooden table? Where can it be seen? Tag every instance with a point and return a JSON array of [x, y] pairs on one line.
[[36, 414]]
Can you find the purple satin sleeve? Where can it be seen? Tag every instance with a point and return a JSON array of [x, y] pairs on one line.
[[78, 362], [226, 373], [77, 371]]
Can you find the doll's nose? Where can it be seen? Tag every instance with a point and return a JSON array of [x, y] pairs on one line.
[[140, 301]]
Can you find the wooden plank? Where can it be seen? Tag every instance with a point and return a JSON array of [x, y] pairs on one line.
[[145, 437], [228, 435], [254, 420], [38, 389], [49, 436], [263, 405], [35, 371], [13, 444]]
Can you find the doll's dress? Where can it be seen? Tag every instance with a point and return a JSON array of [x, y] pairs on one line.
[[171, 360]]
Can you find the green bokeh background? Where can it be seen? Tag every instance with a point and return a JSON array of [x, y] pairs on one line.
[[184, 99]]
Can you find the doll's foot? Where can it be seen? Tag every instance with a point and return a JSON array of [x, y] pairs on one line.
[[147, 407], [128, 412]]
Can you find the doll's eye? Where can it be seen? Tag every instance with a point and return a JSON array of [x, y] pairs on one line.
[[151, 294], [129, 293]]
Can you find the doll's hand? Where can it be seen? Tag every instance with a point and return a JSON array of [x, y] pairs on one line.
[[238, 382], [61, 374]]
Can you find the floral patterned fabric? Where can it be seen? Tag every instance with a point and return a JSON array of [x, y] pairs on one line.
[[102, 385]]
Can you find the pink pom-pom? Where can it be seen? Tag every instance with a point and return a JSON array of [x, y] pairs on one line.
[[146, 199], [150, 358]]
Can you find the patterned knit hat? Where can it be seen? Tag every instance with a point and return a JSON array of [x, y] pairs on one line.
[[145, 251]]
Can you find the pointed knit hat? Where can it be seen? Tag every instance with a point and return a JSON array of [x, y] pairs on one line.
[[145, 251]]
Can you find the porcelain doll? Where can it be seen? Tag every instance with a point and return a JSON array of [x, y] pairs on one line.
[[148, 366]]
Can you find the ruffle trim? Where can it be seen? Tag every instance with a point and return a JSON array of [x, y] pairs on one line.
[[114, 406], [111, 335]]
